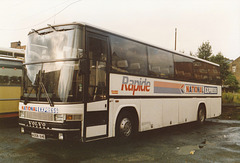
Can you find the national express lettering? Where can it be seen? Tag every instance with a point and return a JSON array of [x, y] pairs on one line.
[[135, 85]]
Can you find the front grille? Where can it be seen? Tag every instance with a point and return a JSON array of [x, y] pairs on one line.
[[39, 116]]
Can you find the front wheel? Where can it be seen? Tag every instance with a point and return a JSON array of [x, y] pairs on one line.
[[125, 127]]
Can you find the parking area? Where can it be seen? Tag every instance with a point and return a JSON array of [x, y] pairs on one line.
[[212, 142]]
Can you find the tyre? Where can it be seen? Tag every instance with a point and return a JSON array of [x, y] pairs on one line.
[[201, 114], [125, 126]]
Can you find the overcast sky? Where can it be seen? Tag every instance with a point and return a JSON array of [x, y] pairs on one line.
[[151, 21]]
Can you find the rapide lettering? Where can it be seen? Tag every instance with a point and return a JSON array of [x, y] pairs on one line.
[[135, 85]]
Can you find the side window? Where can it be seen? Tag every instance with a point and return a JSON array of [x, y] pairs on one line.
[[10, 76], [160, 63], [98, 50], [20, 55], [214, 74], [128, 56], [6, 53], [200, 72], [183, 68]]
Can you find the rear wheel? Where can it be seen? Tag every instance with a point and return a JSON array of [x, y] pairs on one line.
[[201, 114]]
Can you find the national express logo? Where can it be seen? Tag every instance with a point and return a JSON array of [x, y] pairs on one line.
[[135, 85], [40, 109]]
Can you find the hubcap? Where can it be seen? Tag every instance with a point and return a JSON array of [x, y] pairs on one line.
[[126, 127]]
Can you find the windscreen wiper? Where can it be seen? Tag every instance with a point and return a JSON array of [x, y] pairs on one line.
[[47, 96]]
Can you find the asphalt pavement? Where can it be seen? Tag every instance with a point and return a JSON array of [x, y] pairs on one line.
[[215, 141]]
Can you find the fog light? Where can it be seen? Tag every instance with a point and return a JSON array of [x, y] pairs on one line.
[[60, 136], [22, 130]]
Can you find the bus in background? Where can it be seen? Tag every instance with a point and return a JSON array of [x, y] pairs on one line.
[[12, 52], [10, 81], [83, 82]]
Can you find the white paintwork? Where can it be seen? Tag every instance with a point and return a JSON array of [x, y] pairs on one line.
[[186, 111], [96, 131], [97, 106], [111, 122], [170, 112], [157, 113], [215, 105], [151, 114]]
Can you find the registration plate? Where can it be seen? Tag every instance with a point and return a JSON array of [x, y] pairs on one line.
[[38, 136]]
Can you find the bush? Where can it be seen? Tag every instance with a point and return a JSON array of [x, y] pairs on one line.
[[227, 98], [230, 98], [236, 98]]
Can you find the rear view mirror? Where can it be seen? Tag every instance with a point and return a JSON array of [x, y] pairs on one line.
[[80, 53]]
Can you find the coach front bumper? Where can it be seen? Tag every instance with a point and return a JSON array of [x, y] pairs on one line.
[[68, 130]]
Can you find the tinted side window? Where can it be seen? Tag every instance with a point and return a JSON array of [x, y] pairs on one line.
[[10, 76], [214, 74], [6, 53], [160, 63], [18, 55], [200, 72], [128, 56], [183, 68]]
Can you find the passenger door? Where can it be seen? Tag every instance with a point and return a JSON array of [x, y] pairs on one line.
[[96, 105]]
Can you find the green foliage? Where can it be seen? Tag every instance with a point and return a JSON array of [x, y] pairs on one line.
[[227, 98], [205, 51], [232, 82], [237, 99], [230, 98], [223, 62]]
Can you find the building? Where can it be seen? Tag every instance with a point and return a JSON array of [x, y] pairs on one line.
[[17, 45], [235, 68]]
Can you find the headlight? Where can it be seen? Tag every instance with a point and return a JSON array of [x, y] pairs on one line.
[[59, 117], [21, 114]]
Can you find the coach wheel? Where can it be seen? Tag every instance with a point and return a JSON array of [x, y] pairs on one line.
[[125, 128], [201, 114]]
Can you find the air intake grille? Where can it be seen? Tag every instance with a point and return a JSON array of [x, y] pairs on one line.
[[39, 116]]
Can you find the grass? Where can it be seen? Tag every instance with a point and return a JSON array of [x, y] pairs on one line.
[[230, 98], [230, 111]]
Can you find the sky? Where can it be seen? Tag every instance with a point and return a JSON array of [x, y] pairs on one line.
[[151, 21]]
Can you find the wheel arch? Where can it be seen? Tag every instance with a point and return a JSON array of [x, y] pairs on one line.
[[132, 110]]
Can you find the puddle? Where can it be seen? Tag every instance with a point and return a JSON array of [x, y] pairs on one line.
[[232, 135]]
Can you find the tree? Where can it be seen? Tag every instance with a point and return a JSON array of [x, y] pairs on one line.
[[224, 65], [205, 51], [231, 82]]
